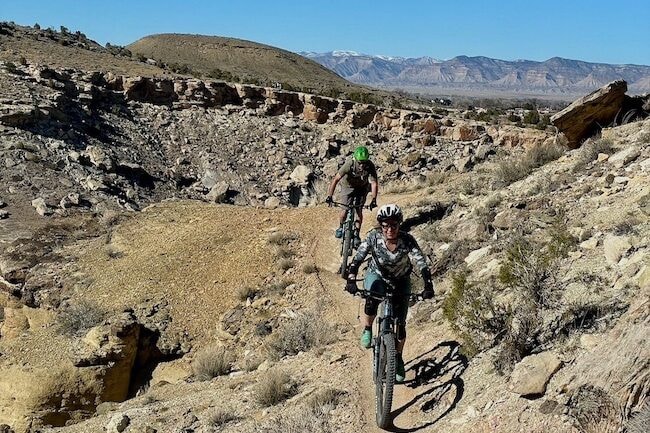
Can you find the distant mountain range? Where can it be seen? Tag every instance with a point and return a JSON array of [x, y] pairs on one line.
[[426, 74]]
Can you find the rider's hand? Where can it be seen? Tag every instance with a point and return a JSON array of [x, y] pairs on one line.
[[373, 204], [351, 287], [428, 289], [329, 200]]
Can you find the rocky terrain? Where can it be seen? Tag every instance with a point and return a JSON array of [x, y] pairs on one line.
[[166, 264], [555, 76]]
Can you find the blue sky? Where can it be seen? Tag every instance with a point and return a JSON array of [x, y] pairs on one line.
[[596, 31]]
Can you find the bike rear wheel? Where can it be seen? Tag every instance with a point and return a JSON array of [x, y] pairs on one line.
[[385, 380]]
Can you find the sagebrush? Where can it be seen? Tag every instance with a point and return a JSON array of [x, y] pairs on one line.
[[211, 362]]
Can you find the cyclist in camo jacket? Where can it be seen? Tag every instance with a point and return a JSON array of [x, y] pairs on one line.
[[392, 252]]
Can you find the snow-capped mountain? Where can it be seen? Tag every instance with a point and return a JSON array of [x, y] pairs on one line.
[[555, 75]]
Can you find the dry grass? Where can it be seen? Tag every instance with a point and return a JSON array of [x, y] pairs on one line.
[[306, 331], [211, 362], [590, 150], [281, 238], [595, 410], [220, 417], [302, 420], [285, 253], [279, 286], [309, 268], [514, 169], [286, 264], [275, 387], [325, 400], [640, 421], [247, 292], [78, 318]]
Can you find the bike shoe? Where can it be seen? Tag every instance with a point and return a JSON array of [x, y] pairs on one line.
[[400, 373], [356, 242], [366, 339], [338, 234]]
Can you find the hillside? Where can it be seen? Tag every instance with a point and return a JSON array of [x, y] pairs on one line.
[[553, 77], [243, 61]]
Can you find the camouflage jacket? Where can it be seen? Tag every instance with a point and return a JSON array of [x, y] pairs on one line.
[[390, 265]]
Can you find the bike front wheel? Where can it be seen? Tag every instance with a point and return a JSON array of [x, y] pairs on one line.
[[346, 250], [385, 379]]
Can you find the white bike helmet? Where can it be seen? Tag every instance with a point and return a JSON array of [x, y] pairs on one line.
[[390, 212]]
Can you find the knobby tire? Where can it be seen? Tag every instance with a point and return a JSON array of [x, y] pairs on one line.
[[347, 247], [385, 379]]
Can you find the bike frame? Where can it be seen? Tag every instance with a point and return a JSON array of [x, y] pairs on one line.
[[349, 232]]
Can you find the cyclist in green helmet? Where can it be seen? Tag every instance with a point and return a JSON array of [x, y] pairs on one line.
[[358, 176]]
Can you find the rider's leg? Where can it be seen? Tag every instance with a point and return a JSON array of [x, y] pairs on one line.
[[372, 282]]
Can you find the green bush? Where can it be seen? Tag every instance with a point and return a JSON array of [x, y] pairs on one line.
[[472, 312]]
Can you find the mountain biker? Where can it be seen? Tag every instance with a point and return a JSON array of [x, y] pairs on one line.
[[358, 176], [392, 251]]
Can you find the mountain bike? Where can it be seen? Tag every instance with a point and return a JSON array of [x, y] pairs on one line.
[[350, 232], [384, 352]]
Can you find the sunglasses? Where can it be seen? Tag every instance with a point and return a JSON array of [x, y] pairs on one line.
[[392, 226]]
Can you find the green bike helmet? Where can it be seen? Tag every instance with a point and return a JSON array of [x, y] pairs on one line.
[[361, 153]]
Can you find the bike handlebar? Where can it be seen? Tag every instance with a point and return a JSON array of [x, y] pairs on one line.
[[345, 205], [369, 294]]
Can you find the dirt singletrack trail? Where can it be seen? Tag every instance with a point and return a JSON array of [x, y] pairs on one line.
[[414, 396]]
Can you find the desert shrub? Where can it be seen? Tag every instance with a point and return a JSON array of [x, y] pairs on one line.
[[279, 286], [285, 252], [309, 268], [514, 169], [528, 270], [275, 387], [220, 417], [211, 362], [302, 420], [590, 150], [639, 422], [595, 411], [560, 240], [11, 67], [280, 238], [78, 318], [627, 226], [2, 314], [325, 399], [472, 312], [246, 292], [364, 98], [522, 327], [306, 331], [286, 264]]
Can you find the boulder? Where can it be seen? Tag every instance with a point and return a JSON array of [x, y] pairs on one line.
[[466, 132], [624, 157], [301, 175], [532, 374], [586, 115], [72, 199], [41, 207], [118, 423], [477, 255], [272, 202], [4, 214], [218, 193], [615, 247]]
